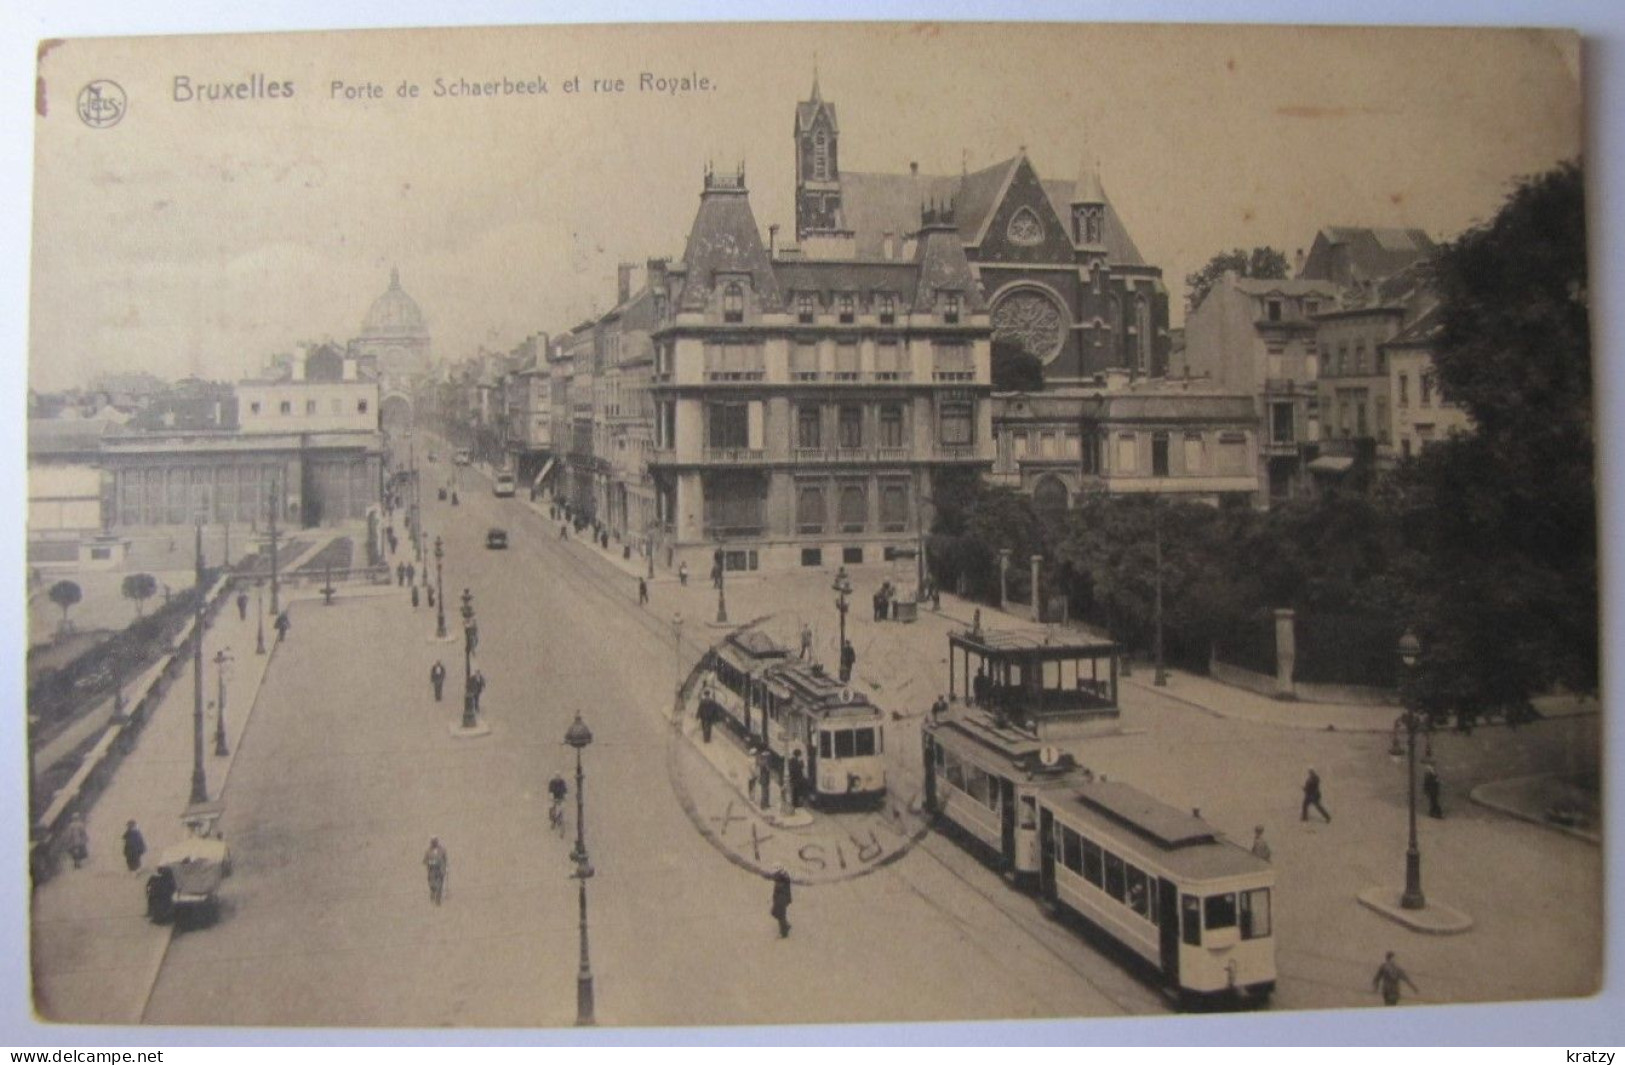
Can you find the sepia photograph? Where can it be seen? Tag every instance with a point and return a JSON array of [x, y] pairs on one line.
[[458, 461]]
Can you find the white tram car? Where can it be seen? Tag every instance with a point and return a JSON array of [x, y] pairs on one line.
[[787, 705], [1159, 883]]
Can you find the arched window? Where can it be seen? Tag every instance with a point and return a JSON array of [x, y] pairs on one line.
[[1142, 326], [733, 303], [820, 156], [1049, 494]]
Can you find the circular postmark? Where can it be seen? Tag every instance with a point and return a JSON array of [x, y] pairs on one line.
[[101, 104]]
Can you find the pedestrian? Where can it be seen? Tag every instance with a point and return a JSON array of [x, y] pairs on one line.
[[476, 688], [764, 776], [976, 623], [708, 714], [431, 596], [242, 605], [134, 847], [849, 658], [564, 532], [400, 573], [435, 860], [1261, 849], [682, 574], [76, 840], [936, 597], [437, 679], [798, 779], [1430, 788], [414, 597], [806, 640], [411, 573], [1311, 797], [939, 708], [781, 900], [878, 603], [643, 592], [1389, 977], [282, 625]]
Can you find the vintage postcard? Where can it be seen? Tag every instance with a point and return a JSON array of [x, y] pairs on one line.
[[741, 524]]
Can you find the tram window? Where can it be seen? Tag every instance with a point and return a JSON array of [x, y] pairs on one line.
[[1151, 890], [1255, 913], [843, 743], [977, 784], [937, 754], [1114, 876], [1190, 914], [823, 745], [956, 773], [1138, 897], [1071, 852], [864, 739], [1092, 863], [1221, 911], [1029, 813]]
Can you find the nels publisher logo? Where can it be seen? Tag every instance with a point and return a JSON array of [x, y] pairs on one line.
[[101, 104]]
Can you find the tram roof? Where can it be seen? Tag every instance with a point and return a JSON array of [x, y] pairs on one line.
[[748, 649], [1029, 644], [974, 728], [817, 689], [1188, 845]]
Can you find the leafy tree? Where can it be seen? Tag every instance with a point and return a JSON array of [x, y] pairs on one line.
[[1503, 577], [139, 587], [1015, 369], [1263, 262], [66, 595]]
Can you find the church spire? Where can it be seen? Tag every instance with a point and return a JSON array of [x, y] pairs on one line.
[[817, 97]]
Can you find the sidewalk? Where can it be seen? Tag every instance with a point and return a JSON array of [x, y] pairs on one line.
[[95, 954]]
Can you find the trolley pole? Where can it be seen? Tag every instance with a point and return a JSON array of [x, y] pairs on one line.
[[259, 613], [200, 787], [221, 658]]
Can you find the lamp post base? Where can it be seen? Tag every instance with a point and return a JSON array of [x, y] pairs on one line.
[[584, 1010], [460, 731], [1437, 919], [1413, 899]]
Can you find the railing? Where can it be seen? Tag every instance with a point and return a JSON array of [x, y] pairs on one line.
[[734, 454], [733, 532], [953, 375], [852, 377], [723, 376]]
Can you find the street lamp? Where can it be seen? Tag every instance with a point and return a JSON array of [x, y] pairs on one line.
[[1160, 678], [677, 632], [200, 787], [1410, 648], [579, 736], [842, 588], [221, 657], [275, 585], [471, 638], [722, 580], [259, 614], [439, 590]]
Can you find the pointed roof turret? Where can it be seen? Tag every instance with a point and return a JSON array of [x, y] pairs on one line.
[[1088, 188], [940, 254], [724, 240]]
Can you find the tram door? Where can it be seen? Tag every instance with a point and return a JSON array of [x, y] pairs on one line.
[[930, 774], [1168, 908], [1046, 853], [1007, 822]]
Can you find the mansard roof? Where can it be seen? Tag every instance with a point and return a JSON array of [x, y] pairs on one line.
[[724, 240], [1350, 254], [844, 275]]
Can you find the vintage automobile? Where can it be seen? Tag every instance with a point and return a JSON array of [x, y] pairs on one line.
[[186, 884], [496, 539]]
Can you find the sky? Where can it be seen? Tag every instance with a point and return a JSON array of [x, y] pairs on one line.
[[201, 236]]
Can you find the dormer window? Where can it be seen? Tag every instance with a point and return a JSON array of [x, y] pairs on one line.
[[1272, 310], [950, 308], [804, 308], [888, 308], [733, 303], [848, 308], [1311, 308]]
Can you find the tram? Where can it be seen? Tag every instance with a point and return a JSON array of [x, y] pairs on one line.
[[1192, 908], [786, 706]]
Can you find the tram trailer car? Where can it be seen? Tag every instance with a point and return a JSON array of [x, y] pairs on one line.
[[1163, 884], [982, 780], [785, 705]]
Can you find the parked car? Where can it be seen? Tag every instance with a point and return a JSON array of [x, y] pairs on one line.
[[503, 487], [496, 539]]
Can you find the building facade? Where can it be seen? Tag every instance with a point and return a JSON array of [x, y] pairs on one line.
[[803, 406], [394, 348]]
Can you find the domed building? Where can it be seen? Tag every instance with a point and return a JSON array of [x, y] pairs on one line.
[[394, 347]]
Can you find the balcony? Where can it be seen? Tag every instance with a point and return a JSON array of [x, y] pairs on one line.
[[949, 376], [851, 377], [871, 455], [734, 456]]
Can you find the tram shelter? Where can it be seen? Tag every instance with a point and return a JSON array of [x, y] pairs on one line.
[[1056, 688]]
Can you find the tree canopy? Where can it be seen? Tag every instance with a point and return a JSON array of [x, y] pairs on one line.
[[1261, 262], [139, 587], [1015, 369], [65, 594]]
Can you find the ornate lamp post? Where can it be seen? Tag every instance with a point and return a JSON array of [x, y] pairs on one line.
[[275, 584], [439, 590], [471, 639], [843, 588], [259, 612], [221, 658], [579, 736], [200, 787], [1410, 648], [722, 595], [1160, 678]]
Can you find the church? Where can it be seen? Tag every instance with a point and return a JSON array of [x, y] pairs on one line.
[[1058, 269]]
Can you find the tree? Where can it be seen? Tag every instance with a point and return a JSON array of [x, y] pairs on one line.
[[139, 587], [1502, 579], [1263, 262], [66, 595], [1015, 369]]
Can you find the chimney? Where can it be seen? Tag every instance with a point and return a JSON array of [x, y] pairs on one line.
[[657, 273], [772, 240], [623, 282]]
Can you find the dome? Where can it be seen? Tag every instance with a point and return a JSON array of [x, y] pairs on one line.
[[393, 313]]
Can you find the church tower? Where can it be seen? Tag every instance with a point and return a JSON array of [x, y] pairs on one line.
[[1089, 212], [818, 171]]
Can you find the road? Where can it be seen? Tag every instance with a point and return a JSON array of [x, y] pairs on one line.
[[348, 767]]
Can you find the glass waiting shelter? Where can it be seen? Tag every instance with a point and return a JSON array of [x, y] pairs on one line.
[[1033, 676]]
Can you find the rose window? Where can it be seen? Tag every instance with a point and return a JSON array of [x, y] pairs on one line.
[[1025, 228], [1031, 320]]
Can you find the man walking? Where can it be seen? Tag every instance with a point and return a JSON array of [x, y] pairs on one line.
[[435, 860], [1389, 977], [282, 625], [134, 847], [242, 605], [476, 688], [437, 678], [414, 597], [806, 641], [76, 840], [643, 592], [781, 900], [798, 780], [1431, 788], [1311, 797], [682, 574]]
